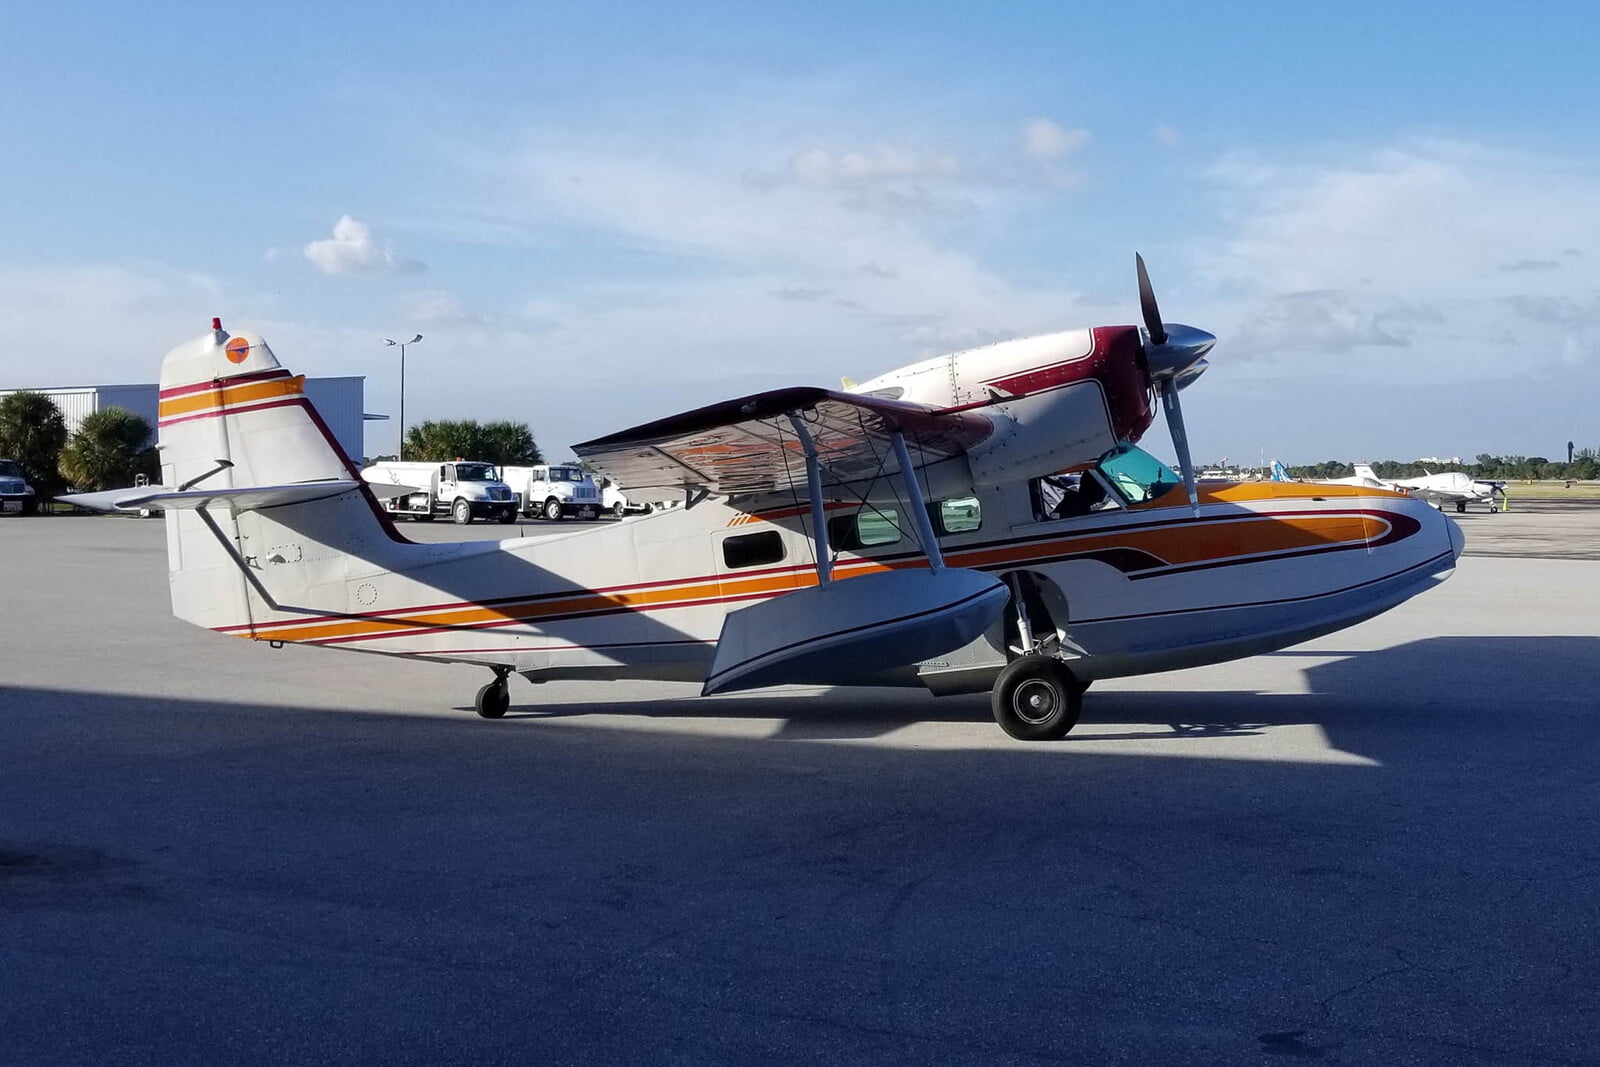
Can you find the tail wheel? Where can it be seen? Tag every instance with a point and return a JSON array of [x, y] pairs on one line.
[[493, 700], [1037, 699], [552, 509]]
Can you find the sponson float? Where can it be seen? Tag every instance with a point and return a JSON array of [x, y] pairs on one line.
[[979, 521]]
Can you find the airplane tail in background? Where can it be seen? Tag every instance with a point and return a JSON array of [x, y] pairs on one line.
[[236, 428], [1280, 473], [1365, 471]]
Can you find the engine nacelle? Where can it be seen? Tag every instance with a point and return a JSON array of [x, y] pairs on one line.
[[1066, 415]]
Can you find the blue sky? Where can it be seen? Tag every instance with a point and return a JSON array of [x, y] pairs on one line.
[[1387, 213]]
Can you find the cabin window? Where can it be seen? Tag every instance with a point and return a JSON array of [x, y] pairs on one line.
[[752, 550], [864, 529], [961, 515], [1068, 495]]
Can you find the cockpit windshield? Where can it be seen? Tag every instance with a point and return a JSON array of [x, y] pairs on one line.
[[1136, 474], [476, 472]]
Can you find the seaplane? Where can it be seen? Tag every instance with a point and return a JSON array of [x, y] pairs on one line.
[[981, 521]]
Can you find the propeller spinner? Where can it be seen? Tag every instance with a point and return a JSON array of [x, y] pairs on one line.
[[1175, 356]]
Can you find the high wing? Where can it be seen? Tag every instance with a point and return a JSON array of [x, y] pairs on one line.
[[751, 445]]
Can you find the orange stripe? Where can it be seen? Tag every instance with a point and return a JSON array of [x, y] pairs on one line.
[[1176, 546], [227, 395]]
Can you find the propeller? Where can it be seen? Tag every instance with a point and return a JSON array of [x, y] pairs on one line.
[[1175, 356]]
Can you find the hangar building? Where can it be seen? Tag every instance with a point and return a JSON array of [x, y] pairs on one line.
[[338, 401]]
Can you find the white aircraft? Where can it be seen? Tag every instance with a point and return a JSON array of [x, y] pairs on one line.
[[910, 532], [1454, 487]]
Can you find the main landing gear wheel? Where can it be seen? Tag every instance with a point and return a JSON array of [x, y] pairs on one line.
[[461, 513], [1037, 699], [552, 509], [494, 698], [1461, 507]]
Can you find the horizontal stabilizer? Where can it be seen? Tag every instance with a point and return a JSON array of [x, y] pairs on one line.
[[248, 498]]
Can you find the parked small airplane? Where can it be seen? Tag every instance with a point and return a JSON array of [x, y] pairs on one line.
[[1455, 487], [978, 521]]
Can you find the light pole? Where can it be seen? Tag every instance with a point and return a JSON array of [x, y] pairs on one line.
[[402, 345]]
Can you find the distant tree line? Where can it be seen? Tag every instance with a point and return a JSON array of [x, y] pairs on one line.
[[503, 443], [108, 450], [1585, 465]]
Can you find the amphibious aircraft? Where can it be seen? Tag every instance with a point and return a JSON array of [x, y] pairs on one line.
[[980, 521]]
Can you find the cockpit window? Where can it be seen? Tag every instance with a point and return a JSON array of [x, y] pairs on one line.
[[1136, 475]]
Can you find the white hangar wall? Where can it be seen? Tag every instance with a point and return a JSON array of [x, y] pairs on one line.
[[338, 400]]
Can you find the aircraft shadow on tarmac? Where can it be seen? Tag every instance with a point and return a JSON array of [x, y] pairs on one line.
[[1443, 682]]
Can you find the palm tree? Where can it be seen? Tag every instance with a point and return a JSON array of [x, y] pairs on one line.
[[32, 432], [501, 443], [109, 450]]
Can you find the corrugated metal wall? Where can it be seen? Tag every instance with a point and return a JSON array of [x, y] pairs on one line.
[[338, 401]]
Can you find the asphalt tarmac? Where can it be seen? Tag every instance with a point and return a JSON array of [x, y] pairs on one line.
[[1379, 847]]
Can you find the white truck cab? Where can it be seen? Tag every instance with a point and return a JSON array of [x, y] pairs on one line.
[[461, 489], [554, 491], [613, 501], [16, 495]]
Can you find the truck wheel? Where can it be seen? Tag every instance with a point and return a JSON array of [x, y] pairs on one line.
[[619, 510], [552, 509], [461, 513]]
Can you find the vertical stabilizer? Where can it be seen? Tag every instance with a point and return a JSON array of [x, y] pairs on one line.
[[232, 418]]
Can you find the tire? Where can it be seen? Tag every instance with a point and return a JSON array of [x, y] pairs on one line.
[[492, 700], [552, 509], [619, 510], [461, 512], [1036, 699]]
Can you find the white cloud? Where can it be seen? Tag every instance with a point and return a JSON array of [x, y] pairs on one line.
[[821, 167], [1044, 139], [434, 305], [351, 250], [1429, 243]]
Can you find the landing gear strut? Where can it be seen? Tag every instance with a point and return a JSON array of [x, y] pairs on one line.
[[494, 698]]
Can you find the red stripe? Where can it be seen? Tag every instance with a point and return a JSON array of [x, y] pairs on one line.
[[1046, 549], [219, 383]]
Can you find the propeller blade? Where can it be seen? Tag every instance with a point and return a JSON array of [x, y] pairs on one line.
[[1180, 438], [1147, 305]]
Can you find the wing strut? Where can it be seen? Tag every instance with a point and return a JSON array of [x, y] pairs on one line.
[[819, 519], [919, 510]]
